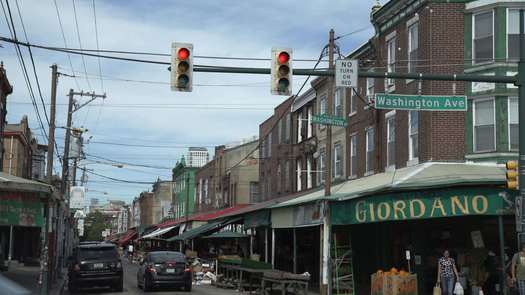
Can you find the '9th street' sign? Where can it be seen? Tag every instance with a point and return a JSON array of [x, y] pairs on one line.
[[346, 73]]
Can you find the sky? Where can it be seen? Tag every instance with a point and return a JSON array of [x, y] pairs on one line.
[[142, 121]]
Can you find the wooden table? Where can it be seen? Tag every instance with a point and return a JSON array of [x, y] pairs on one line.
[[295, 286]]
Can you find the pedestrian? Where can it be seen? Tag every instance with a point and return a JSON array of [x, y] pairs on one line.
[[517, 270], [130, 252], [447, 272]]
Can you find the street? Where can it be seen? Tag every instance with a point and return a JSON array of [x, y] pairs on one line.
[[130, 286]]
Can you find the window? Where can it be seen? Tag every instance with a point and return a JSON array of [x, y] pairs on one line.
[[483, 45], [254, 192], [280, 131], [413, 131], [299, 126], [513, 34], [353, 155], [338, 102], [323, 104], [513, 123], [279, 178], [310, 129], [263, 147], [391, 60], [484, 131], [370, 89], [270, 145], [286, 175], [370, 149], [299, 172], [287, 128], [309, 173], [321, 166], [391, 140], [337, 170], [413, 45]]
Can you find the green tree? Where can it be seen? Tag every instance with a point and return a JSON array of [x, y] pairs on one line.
[[95, 223]]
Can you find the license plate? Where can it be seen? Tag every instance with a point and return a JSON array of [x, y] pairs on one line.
[[170, 270], [98, 265]]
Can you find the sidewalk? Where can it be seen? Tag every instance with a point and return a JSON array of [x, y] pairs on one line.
[[27, 277]]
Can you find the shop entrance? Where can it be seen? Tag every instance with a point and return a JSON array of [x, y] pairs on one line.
[[473, 241]]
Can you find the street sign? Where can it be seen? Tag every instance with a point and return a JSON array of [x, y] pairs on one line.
[[346, 73], [329, 120], [420, 102]]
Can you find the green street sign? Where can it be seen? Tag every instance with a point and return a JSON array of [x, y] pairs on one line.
[[420, 102], [329, 120]]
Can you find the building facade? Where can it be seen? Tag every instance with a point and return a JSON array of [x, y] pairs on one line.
[[135, 213], [19, 148], [491, 46], [163, 197], [146, 204], [5, 90], [198, 156], [184, 178]]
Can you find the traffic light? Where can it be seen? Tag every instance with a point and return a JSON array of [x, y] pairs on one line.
[[281, 71], [181, 67], [512, 175]]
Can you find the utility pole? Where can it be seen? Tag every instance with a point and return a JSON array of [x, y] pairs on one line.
[[52, 111], [521, 112], [70, 111], [326, 229]]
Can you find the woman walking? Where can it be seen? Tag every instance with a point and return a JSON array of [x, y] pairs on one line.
[[518, 269], [447, 272]]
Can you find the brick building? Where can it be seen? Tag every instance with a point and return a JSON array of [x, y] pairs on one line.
[[20, 146], [5, 90], [276, 155], [146, 208]]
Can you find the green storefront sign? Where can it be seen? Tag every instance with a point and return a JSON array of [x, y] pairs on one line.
[[21, 210], [420, 102], [423, 205], [329, 120]]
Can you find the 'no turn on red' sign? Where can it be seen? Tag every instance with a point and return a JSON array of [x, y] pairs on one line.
[[346, 73]]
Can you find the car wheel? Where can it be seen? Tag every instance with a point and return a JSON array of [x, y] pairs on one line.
[[187, 287], [146, 285]]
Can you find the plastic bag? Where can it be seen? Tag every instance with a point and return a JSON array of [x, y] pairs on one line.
[[437, 290], [458, 289]]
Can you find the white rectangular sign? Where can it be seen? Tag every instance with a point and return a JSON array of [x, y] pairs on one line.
[[346, 73], [77, 197]]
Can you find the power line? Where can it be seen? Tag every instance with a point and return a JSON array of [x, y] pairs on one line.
[[98, 47], [21, 61], [127, 163], [65, 43], [80, 41], [353, 32], [115, 179]]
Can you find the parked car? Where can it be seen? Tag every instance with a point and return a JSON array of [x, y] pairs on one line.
[[164, 268], [95, 265]]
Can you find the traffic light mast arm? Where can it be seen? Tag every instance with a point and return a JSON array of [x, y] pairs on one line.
[[366, 74]]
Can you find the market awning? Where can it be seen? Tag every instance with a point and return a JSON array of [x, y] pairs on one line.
[[130, 234], [158, 232], [202, 230], [227, 234], [18, 184]]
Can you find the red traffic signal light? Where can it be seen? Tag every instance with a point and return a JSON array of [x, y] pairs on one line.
[[183, 53], [283, 57]]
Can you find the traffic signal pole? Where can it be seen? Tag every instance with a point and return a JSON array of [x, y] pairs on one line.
[[521, 116]]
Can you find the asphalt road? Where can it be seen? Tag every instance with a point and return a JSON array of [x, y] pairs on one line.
[[130, 286]]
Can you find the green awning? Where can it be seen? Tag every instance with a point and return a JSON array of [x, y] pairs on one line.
[[257, 218], [204, 229], [10, 183], [227, 234]]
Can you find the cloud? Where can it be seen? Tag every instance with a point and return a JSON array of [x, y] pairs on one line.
[[216, 28]]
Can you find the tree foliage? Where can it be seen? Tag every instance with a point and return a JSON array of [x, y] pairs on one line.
[[95, 223]]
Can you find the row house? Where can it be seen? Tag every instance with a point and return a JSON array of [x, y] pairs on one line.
[[5, 90], [230, 179], [146, 202], [183, 202], [162, 201]]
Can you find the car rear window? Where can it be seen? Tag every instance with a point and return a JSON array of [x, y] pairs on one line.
[[98, 253], [166, 256]]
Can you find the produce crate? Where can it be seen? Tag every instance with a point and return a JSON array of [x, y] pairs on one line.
[[393, 284]]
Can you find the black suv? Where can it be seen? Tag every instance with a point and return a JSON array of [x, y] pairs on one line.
[[95, 265]]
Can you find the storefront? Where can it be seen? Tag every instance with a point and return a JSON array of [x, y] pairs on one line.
[[476, 224]]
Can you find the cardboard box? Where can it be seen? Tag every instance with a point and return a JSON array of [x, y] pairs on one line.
[[388, 284]]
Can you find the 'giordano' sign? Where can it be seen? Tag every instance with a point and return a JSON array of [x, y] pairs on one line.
[[422, 205]]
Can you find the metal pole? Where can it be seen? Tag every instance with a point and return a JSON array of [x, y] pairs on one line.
[[502, 254], [10, 253], [74, 175], [65, 160], [187, 197], [52, 111], [273, 247], [266, 244], [521, 90], [294, 251]]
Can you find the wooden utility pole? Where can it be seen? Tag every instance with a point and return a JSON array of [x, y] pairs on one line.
[[52, 112], [326, 227]]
